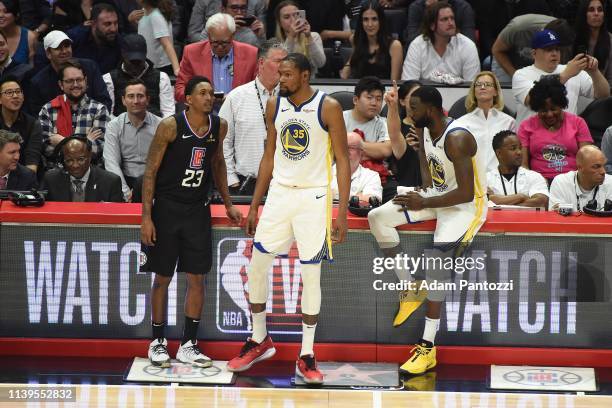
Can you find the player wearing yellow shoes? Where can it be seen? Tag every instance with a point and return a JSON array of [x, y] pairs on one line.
[[453, 171]]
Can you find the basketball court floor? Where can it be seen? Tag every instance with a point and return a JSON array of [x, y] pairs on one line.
[[99, 382]]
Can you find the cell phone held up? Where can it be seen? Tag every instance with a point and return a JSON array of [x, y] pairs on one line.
[[219, 94], [302, 15], [248, 20]]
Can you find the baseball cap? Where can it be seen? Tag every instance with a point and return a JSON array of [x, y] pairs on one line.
[[545, 38], [134, 47], [54, 39]]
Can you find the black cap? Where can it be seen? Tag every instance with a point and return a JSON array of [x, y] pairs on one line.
[[134, 47]]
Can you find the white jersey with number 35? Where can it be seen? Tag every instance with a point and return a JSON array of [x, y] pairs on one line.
[[303, 156]]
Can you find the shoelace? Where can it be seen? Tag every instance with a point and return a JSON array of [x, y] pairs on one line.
[[311, 363], [420, 350], [248, 346], [160, 349], [194, 350]]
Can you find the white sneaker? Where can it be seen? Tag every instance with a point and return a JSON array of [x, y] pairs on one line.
[[190, 353], [158, 353]]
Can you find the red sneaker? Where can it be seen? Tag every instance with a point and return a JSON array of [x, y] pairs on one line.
[[251, 353], [306, 367]]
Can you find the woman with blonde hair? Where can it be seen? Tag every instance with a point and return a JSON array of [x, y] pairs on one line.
[[485, 117], [293, 30]]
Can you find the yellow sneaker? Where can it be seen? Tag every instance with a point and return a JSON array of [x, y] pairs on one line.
[[409, 301], [423, 359], [425, 382]]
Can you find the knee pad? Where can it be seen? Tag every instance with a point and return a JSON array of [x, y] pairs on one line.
[[257, 274], [311, 288]]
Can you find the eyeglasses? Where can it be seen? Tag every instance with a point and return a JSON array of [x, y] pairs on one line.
[[220, 43], [73, 81], [236, 7], [12, 92], [484, 85]]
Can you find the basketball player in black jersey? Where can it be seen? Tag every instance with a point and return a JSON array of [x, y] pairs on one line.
[[185, 155]]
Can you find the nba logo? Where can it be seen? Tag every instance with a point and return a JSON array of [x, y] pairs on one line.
[[233, 314], [197, 158]]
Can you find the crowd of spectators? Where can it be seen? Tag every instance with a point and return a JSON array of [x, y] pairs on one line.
[[84, 84]]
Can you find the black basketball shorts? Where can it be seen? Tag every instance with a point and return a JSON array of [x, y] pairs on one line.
[[184, 235]]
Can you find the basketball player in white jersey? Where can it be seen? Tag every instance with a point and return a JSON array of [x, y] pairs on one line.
[[305, 131], [454, 173]]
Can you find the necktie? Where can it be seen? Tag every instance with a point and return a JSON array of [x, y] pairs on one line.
[[3, 181], [78, 195]]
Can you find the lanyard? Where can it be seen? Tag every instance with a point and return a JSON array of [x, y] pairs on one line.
[[595, 190], [261, 107], [504, 182]]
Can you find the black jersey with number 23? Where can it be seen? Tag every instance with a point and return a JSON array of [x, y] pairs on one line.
[[185, 173]]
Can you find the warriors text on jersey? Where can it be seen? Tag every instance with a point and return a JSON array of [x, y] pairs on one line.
[[185, 173], [303, 155]]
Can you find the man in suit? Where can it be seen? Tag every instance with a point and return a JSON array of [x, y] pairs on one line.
[[79, 181], [13, 176], [226, 62]]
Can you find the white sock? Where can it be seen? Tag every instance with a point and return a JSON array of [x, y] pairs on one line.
[[431, 327], [259, 327], [308, 334], [403, 274]]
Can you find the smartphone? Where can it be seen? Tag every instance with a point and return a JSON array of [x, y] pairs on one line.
[[248, 20], [219, 94], [582, 49], [302, 14]]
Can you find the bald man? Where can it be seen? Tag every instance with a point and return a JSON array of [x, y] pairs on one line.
[[587, 183], [365, 183]]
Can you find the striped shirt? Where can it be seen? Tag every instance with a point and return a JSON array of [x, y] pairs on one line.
[[246, 131], [88, 114]]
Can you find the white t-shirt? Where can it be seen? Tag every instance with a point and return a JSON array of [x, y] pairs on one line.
[[564, 189], [153, 27], [485, 128], [528, 182], [460, 59], [363, 181], [522, 82], [375, 130]]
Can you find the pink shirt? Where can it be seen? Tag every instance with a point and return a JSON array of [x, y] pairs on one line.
[[553, 152]]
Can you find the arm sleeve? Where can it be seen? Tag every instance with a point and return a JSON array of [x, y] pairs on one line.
[[465, 14], [185, 72], [583, 132], [226, 112], [606, 147], [520, 86], [34, 147], [46, 129], [557, 195], [413, 21], [315, 50], [382, 133], [537, 184], [166, 96], [197, 21], [524, 135], [471, 63], [160, 26], [110, 87], [372, 185], [412, 68], [112, 153], [116, 195], [99, 121]]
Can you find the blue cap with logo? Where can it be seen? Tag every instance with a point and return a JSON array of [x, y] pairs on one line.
[[545, 38]]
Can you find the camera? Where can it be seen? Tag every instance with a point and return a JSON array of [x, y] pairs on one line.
[[565, 209]]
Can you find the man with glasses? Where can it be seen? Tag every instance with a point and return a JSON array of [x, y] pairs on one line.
[[14, 119], [228, 63], [249, 29], [72, 113], [44, 85], [204, 9], [79, 181]]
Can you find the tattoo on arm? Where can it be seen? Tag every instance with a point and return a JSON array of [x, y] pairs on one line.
[[165, 134]]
